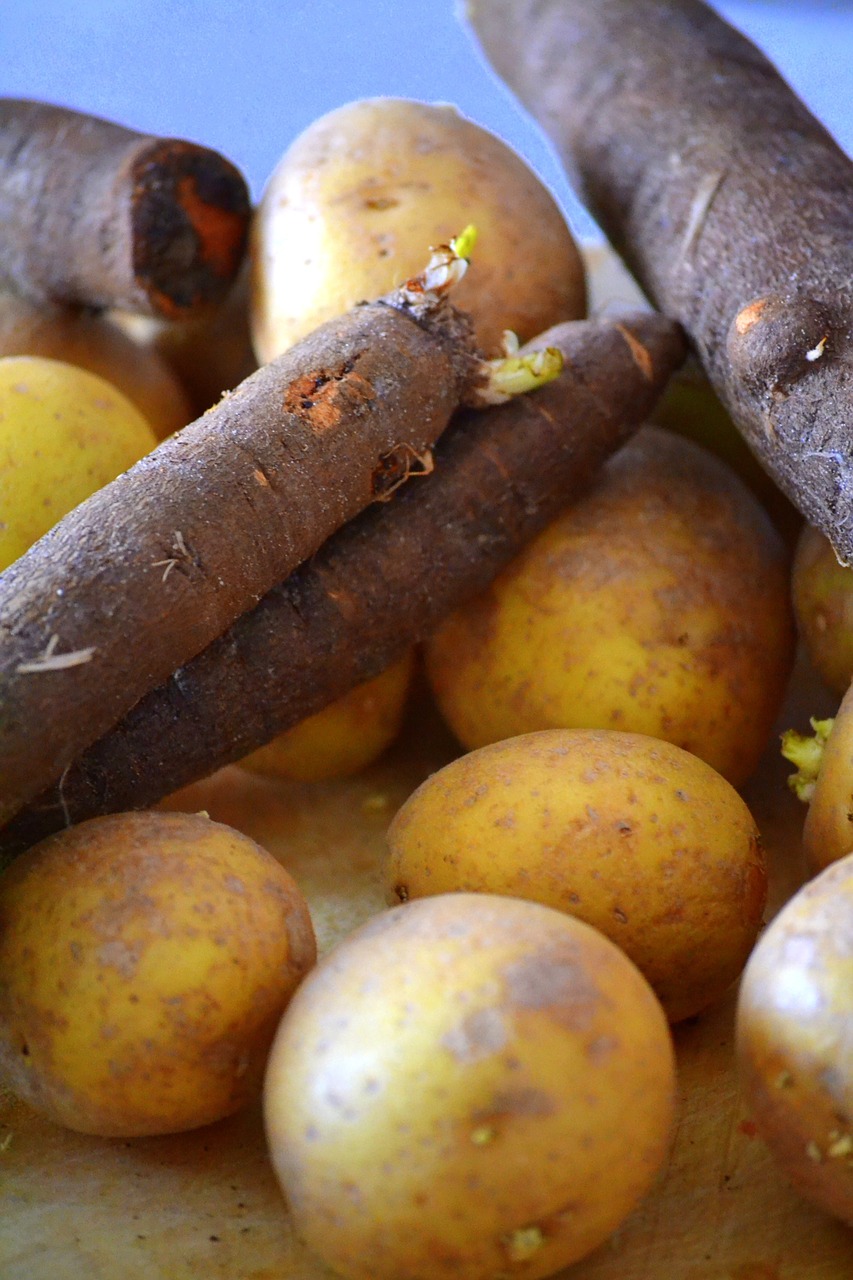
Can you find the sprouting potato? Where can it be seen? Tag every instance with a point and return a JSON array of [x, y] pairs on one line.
[[64, 432], [345, 736], [468, 1085], [145, 961], [658, 604], [634, 836], [360, 195], [825, 781], [795, 1050]]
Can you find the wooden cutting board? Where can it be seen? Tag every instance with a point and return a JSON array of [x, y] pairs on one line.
[[205, 1205]]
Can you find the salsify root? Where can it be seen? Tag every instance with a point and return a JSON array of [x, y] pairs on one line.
[[729, 201], [380, 583], [151, 569], [97, 215]]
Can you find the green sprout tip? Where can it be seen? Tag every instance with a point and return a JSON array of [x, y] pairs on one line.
[[462, 244], [513, 375]]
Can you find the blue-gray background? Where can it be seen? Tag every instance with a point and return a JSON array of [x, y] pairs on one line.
[[247, 76]]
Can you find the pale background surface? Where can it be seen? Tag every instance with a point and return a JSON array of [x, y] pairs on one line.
[[247, 77]]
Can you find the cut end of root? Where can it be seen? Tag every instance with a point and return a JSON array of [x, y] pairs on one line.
[[806, 752], [190, 224], [514, 375]]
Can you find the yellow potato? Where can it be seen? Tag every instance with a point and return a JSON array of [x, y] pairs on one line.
[[468, 1085], [635, 836], [822, 592], [658, 604], [92, 342], [208, 355], [145, 961], [64, 432], [344, 737], [828, 828], [794, 1043], [359, 198]]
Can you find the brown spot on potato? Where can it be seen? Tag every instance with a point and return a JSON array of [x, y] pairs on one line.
[[560, 985], [601, 1048], [120, 955], [380, 203], [520, 1101], [478, 1036]]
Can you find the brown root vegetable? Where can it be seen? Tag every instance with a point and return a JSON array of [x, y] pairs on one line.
[[93, 213], [730, 203], [155, 566], [382, 582]]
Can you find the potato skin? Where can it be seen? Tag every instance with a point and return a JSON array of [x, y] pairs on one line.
[[470, 1086], [356, 202], [92, 342], [145, 961], [828, 827], [822, 592], [345, 737], [208, 355], [795, 1052], [64, 432], [659, 604], [638, 838]]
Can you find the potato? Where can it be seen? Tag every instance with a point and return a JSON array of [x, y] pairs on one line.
[[209, 355], [638, 838], [823, 605], [356, 202], [691, 408], [470, 1086], [794, 1043], [145, 961], [658, 604], [91, 342], [828, 828], [345, 736], [64, 432]]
